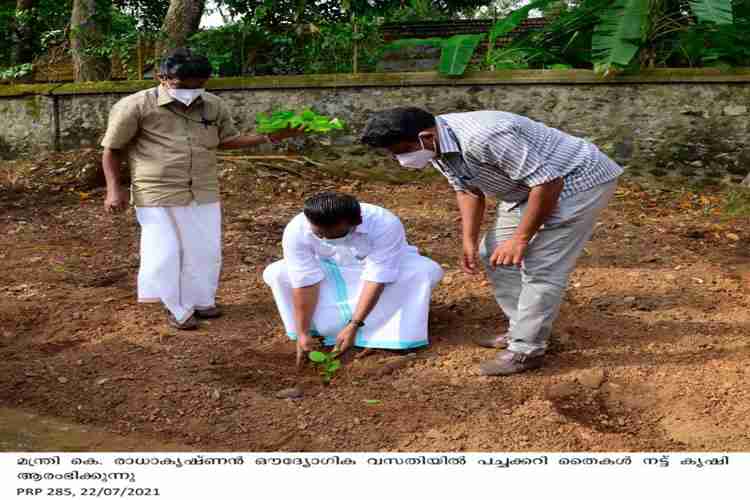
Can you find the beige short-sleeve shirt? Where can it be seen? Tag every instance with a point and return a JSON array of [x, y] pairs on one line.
[[171, 148]]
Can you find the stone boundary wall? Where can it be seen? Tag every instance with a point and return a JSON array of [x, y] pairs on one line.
[[667, 122]]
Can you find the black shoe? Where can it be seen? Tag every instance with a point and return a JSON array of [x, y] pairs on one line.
[[210, 313]]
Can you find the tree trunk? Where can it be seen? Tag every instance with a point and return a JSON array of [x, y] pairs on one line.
[[89, 24], [23, 33], [182, 21]]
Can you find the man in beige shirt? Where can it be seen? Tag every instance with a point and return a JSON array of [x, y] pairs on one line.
[[169, 135]]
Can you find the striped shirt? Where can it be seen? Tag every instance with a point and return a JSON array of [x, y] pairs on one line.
[[504, 155]]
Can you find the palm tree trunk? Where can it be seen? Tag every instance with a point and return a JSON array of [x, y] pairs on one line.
[[89, 24]]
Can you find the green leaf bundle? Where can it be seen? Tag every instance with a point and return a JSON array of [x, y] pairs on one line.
[[310, 121]]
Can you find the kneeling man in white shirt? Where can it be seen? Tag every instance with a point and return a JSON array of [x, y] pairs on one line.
[[349, 276]]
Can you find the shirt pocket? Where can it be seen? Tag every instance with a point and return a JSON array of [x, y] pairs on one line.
[[207, 135]]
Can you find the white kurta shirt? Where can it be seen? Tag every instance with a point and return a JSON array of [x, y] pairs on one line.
[[378, 245]]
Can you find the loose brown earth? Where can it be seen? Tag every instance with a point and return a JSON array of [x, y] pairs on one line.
[[651, 350]]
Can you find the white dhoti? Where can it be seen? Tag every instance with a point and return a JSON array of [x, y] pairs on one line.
[[399, 319], [180, 257]]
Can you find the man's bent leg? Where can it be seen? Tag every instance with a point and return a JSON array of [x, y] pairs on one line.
[[325, 320], [551, 257], [400, 319], [506, 281]]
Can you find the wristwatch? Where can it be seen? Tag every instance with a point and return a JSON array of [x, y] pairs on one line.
[[357, 323]]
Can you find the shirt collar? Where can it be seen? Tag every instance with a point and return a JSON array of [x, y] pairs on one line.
[[163, 96], [446, 138]]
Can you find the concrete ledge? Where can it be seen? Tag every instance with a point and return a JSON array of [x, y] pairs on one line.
[[509, 77], [26, 89], [432, 78]]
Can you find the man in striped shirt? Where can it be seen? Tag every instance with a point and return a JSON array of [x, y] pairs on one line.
[[551, 187]]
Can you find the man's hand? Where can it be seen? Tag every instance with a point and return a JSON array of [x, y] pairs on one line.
[[304, 345], [509, 253], [286, 134], [470, 259], [306, 342], [471, 205], [345, 338], [116, 200]]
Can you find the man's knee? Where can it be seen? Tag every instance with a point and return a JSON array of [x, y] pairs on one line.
[[276, 273], [423, 269], [553, 281]]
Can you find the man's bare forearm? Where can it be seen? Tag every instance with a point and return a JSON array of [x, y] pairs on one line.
[[305, 300], [368, 299], [111, 164], [542, 202], [471, 208], [245, 141]]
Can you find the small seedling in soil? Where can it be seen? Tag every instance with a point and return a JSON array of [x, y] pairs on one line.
[[327, 364]]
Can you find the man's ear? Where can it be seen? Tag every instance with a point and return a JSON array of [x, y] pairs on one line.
[[429, 137]]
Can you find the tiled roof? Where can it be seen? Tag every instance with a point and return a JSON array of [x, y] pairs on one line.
[[430, 29]]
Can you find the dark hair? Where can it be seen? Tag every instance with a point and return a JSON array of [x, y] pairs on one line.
[[328, 209], [183, 63], [391, 126]]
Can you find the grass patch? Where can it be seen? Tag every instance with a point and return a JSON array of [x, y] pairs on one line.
[[737, 202]]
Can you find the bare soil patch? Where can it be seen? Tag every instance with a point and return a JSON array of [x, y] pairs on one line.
[[651, 350]]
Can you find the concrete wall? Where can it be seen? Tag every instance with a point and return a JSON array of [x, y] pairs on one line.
[[670, 122], [26, 125]]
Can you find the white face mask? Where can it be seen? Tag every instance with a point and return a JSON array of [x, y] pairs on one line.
[[186, 96], [343, 241], [417, 160]]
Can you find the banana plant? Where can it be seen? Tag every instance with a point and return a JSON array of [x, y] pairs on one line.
[[623, 29], [511, 22], [713, 11], [458, 51], [619, 35], [455, 55]]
